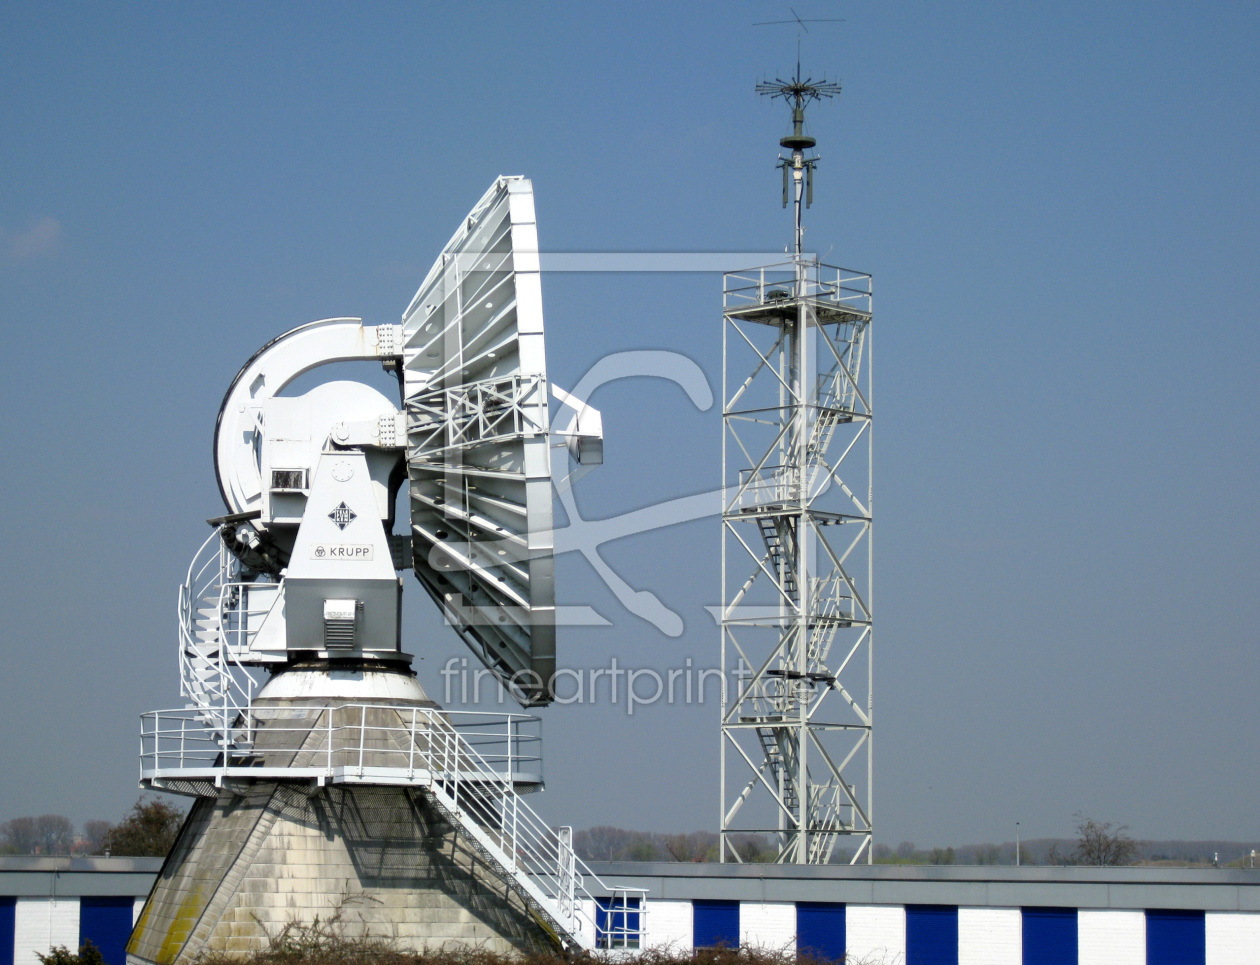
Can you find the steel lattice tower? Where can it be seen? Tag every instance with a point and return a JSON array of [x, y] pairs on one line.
[[796, 540]]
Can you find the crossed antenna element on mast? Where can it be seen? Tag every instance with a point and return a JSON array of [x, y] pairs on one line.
[[796, 19]]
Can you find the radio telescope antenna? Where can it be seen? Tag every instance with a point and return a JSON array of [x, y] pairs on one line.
[[301, 699]]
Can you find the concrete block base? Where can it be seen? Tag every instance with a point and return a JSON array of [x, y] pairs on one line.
[[376, 862]]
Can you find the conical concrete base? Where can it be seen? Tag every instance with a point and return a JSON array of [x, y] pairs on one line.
[[379, 860]]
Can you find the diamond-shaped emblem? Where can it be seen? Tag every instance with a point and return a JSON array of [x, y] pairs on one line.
[[343, 516]]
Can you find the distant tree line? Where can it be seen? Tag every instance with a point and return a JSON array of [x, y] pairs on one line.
[[150, 828], [1097, 843], [605, 843], [147, 830]]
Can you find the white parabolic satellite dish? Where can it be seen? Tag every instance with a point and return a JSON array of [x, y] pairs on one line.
[[478, 448], [475, 435]]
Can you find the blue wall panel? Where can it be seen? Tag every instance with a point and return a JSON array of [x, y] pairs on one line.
[[106, 922], [1175, 938], [931, 935], [8, 912], [820, 929], [615, 919], [715, 923], [1049, 936]]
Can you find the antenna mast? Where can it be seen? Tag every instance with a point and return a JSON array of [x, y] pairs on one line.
[[798, 170], [796, 539]]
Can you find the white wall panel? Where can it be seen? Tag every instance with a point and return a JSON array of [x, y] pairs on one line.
[[40, 923], [586, 919], [669, 925], [1111, 937], [136, 909], [768, 925], [990, 936], [875, 934], [1233, 938]]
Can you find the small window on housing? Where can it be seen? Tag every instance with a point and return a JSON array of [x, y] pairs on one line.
[[288, 480]]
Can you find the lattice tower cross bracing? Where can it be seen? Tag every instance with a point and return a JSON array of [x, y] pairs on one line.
[[796, 548], [797, 576]]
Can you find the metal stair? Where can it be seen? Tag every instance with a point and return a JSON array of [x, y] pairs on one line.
[[534, 859], [209, 675], [774, 754], [549, 912], [824, 814], [831, 598], [823, 429], [776, 531]]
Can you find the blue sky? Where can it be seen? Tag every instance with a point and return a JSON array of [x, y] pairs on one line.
[[1058, 202]]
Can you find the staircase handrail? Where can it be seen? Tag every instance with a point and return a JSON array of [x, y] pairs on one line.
[[209, 573], [479, 796]]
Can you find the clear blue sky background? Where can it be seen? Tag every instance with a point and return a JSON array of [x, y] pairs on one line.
[[1059, 204]]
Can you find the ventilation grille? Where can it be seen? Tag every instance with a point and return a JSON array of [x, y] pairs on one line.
[[340, 617], [338, 634]]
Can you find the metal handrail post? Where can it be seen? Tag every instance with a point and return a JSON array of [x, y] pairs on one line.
[[516, 810], [455, 770], [411, 748], [362, 734], [511, 748]]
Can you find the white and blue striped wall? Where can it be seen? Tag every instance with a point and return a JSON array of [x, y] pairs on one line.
[[46, 902], [960, 915], [31, 925], [959, 935], [895, 915]]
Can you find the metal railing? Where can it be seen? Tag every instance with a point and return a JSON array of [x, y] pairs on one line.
[[210, 673], [242, 608], [355, 739], [770, 283], [768, 486], [471, 771], [775, 486]]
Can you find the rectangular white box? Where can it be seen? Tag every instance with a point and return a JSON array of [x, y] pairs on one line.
[[669, 925], [1232, 937], [990, 936], [769, 925], [41, 923], [1107, 937], [875, 933]]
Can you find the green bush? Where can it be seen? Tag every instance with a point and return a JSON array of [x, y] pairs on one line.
[[89, 954]]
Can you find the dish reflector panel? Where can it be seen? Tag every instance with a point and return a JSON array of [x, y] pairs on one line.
[[478, 456]]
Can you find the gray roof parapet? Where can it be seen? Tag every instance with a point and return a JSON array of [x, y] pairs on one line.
[[1209, 889]]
